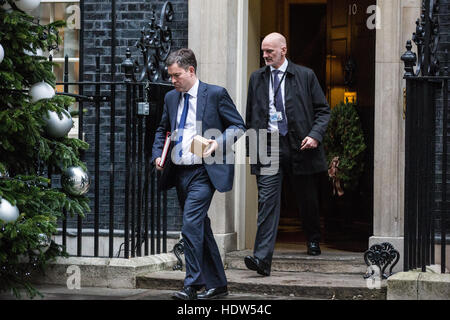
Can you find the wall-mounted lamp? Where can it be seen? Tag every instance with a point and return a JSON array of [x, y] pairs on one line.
[[350, 97]]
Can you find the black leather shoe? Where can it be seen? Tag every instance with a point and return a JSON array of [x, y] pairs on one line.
[[213, 293], [313, 249], [257, 265], [188, 293]]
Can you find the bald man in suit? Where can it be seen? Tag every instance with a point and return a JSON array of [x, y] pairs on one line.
[[286, 100]]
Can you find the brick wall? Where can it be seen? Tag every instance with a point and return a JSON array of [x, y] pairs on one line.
[[444, 44]]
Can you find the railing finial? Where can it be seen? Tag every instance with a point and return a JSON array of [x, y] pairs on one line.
[[128, 66], [409, 58]]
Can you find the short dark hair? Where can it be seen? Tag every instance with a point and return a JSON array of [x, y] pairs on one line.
[[185, 58]]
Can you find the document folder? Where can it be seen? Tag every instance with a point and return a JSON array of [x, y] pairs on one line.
[[165, 151]]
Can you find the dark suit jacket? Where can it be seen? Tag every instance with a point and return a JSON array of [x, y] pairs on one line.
[[307, 112], [215, 110]]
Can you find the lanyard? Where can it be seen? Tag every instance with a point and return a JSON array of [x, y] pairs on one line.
[[279, 85]]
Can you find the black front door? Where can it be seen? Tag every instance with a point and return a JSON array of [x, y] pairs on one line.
[[325, 37]]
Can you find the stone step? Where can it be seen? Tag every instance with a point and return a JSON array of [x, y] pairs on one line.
[[289, 284], [299, 261]]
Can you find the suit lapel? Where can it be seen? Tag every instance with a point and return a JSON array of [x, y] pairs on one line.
[[289, 87], [201, 100], [174, 111], [265, 87]]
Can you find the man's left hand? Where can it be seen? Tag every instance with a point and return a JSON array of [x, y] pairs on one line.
[[309, 143], [213, 145]]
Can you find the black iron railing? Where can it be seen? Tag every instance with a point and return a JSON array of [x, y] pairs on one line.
[[426, 146], [137, 208], [144, 209], [426, 199]]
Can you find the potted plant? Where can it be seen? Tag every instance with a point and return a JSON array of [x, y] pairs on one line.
[[344, 145]]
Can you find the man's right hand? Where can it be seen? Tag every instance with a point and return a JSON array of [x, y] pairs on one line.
[[157, 161]]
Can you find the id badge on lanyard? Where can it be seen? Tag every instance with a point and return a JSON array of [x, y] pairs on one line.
[[277, 115]]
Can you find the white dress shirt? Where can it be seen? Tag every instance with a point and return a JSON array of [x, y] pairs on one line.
[[190, 129], [273, 125]]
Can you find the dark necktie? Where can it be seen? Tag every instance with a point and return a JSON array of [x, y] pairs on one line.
[[182, 123], [279, 106]]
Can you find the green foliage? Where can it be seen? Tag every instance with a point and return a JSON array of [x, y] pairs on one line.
[[345, 139], [20, 32], [25, 153]]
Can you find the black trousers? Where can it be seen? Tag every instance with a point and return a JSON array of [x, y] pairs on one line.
[[204, 266], [306, 188]]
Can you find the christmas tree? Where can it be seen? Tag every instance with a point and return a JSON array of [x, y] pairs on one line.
[[33, 142]]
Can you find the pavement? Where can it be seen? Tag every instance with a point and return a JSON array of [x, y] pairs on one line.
[[59, 301], [52, 292], [125, 303], [295, 276]]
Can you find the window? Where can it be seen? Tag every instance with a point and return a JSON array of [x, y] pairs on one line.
[[69, 11]]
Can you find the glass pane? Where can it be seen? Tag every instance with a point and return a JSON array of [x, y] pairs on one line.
[[58, 70], [70, 35], [70, 38]]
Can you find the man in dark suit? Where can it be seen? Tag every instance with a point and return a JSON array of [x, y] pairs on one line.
[[196, 108], [286, 100]]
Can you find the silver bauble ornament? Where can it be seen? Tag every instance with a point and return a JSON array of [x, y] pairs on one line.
[[75, 181], [41, 90], [2, 53], [56, 127], [44, 244], [39, 52], [28, 5], [8, 212]]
